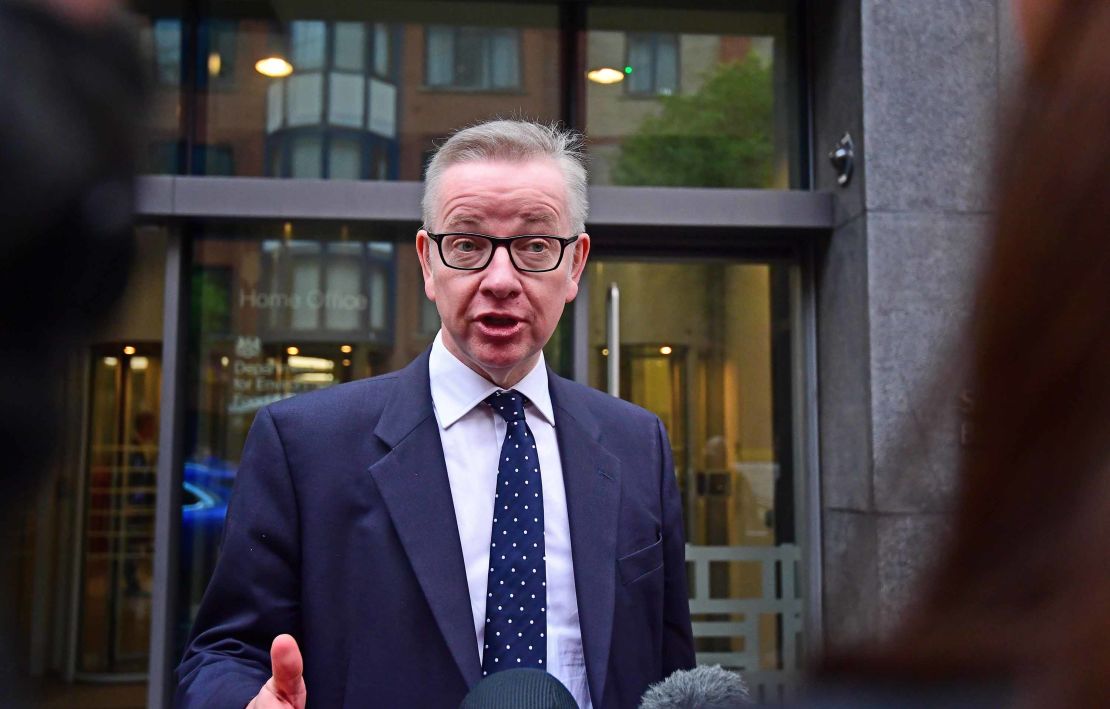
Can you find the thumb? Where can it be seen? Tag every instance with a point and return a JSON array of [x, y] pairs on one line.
[[287, 667]]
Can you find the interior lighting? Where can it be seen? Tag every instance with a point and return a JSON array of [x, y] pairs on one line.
[[139, 363], [224, 361], [345, 349], [215, 63], [665, 349], [292, 350], [317, 363], [605, 352], [346, 363], [273, 67], [128, 350], [606, 75], [110, 361]]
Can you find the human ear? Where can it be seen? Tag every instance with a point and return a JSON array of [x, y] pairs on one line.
[[424, 253], [578, 259], [578, 265]]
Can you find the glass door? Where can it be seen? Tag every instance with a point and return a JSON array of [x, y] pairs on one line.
[[707, 346], [118, 536]]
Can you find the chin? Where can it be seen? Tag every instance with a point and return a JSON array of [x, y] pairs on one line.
[[499, 358]]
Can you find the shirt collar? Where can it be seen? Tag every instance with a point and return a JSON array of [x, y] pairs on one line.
[[456, 388]]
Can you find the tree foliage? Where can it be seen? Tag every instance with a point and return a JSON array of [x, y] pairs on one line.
[[720, 136]]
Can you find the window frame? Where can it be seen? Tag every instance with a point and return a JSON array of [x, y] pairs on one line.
[[487, 36]]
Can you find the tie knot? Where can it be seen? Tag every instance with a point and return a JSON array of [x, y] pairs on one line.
[[509, 405]]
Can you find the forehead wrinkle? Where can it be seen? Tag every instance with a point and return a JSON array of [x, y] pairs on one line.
[[478, 204]]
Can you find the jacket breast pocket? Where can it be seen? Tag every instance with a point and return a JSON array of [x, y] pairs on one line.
[[642, 562]]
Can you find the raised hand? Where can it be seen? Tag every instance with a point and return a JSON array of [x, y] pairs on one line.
[[285, 689]]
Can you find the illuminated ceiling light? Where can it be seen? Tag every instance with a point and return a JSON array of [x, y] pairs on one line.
[[292, 350], [665, 349], [110, 361], [314, 377], [607, 75], [317, 363], [128, 350], [346, 363], [273, 67], [139, 363], [605, 352], [215, 63], [345, 349], [224, 361], [287, 231]]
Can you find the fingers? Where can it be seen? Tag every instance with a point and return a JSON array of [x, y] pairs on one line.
[[287, 666], [285, 689]]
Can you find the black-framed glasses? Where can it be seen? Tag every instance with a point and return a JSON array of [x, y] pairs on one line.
[[531, 253]]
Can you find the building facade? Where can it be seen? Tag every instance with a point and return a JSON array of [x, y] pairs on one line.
[[781, 324]]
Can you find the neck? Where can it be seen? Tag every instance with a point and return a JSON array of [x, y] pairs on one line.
[[505, 378]]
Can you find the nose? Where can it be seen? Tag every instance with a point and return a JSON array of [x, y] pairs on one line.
[[500, 278]]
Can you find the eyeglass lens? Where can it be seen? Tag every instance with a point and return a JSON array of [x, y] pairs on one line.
[[535, 253]]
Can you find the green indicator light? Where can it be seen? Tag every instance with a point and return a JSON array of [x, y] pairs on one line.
[[628, 70]]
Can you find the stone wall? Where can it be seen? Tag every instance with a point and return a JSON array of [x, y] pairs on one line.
[[917, 84]]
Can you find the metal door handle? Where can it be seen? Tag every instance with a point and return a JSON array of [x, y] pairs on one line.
[[613, 306]]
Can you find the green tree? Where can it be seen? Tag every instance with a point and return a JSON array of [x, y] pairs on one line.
[[719, 136]]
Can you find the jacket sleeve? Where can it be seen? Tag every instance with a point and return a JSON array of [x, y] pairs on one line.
[[678, 640], [254, 592]]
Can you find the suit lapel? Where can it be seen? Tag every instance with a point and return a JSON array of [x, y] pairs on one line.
[[412, 480], [592, 478]]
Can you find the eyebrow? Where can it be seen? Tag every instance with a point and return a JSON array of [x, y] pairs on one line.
[[547, 221], [463, 220], [472, 221]]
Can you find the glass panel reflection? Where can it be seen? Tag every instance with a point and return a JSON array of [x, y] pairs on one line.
[[712, 360], [372, 86], [691, 98], [161, 41], [118, 551]]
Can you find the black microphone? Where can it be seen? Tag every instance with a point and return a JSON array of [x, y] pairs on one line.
[[519, 689], [704, 687]]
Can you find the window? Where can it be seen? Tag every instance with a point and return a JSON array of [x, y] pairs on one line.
[[475, 58], [653, 60], [167, 51], [308, 39], [217, 49], [349, 47], [381, 50]]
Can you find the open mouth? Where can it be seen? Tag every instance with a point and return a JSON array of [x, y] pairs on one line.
[[497, 321]]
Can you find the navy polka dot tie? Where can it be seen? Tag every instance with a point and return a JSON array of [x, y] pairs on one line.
[[516, 592]]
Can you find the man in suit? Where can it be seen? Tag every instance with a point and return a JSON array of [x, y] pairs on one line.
[[474, 511]]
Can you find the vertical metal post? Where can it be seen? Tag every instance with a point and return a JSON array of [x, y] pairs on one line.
[[572, 60], [167, 522], [807, 494], [614, 332], [581, 339], [80, 496]]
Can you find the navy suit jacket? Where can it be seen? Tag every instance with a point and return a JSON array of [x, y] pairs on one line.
[[341, 531]]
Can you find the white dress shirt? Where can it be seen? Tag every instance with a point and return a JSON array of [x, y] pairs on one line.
[[472, 436]]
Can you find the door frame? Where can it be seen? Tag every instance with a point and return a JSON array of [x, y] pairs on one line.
[[796, 249]]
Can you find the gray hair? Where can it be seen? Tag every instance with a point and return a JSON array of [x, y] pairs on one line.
[[514, 141]]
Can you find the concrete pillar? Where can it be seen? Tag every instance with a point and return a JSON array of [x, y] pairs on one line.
[[917, 85]]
